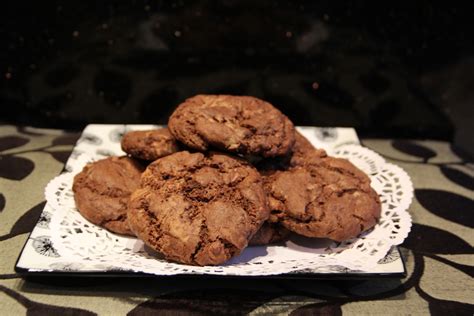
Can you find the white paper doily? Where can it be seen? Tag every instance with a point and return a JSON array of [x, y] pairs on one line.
[[93, 248]]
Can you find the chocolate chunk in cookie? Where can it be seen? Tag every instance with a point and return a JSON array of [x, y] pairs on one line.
[[150, 144], [239, 124], [102, 190], [199, 209], [323, 197]]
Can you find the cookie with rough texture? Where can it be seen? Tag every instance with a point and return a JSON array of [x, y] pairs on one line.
[[269, 233], [102, 190], [150, 144], [239, 124], [199, 209], [323, 197]]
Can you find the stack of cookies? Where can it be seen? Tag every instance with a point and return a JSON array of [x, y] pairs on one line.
[[228, 172]]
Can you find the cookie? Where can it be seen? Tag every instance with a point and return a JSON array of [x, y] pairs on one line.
[[199, 209], [102, 190], [269, 233], [238, 124], [301, 149], [323, 197], [150, 144]]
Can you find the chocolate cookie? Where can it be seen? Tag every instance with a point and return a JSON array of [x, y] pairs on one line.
[[149, 145], [199, 209], [302, 148], [239, 124], [323, 197], [102, 190], [269, 233]]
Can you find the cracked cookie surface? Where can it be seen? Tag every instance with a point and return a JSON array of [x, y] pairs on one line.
[[239, 124], [149, 144], [102, 190], [199, 209], [316, 195]]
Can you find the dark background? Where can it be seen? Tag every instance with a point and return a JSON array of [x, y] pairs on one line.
[[389, 70]]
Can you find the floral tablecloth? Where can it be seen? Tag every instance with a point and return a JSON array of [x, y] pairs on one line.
[[438, 252]]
